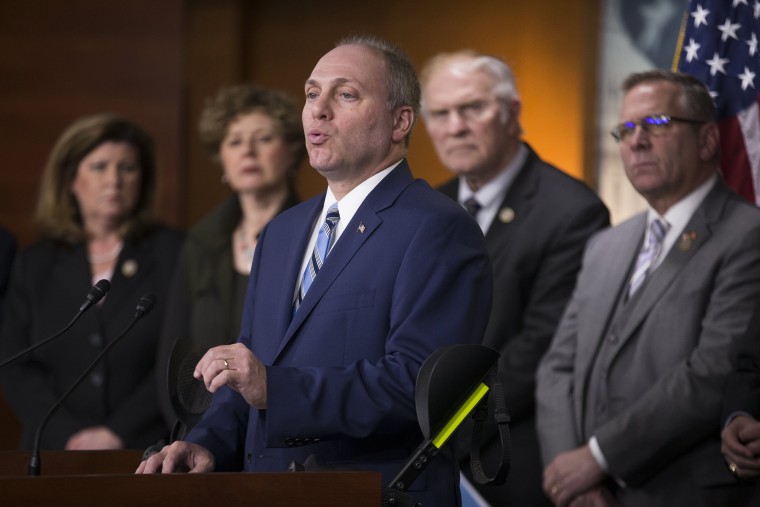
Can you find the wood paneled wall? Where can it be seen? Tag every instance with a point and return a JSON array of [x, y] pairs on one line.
[[63, 60], [156, 62], [551, 47]]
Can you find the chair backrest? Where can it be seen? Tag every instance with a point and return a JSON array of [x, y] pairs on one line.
[[188, 395], [445, 381]]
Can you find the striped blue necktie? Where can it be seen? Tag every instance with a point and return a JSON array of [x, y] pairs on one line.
[[657, 230], [320, 252]]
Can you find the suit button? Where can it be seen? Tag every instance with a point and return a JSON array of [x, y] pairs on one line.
[[601, 408], [96, 340], [613, 338], [289, 442], [96, 379]]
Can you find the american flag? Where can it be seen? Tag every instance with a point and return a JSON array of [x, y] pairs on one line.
[[720, 47]]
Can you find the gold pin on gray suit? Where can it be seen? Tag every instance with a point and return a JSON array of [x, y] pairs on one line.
[[129, 268], [506, 215], [687, 241]]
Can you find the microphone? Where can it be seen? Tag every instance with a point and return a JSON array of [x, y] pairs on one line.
[[97, 292], [143, 307]]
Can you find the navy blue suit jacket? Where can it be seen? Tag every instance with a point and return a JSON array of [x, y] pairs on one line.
[[408, 275]]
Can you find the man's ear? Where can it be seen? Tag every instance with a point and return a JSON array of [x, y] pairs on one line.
[[403, 121], [709, 142], [514, 107]]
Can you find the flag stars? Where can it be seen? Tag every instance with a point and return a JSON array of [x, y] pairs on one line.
[[752, 43], [757, 9], [691, 50], [700, 16], [739, 2], [717, 64], [748, 78], [728, 29]]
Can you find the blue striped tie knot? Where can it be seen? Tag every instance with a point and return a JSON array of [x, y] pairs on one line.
[[320, 252]]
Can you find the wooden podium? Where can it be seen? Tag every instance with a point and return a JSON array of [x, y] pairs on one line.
[[106, 479]]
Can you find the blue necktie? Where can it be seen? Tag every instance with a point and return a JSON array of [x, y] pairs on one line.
[[648, 254], [319, 254]]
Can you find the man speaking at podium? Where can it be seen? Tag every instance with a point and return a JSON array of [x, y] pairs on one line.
[[349, 293]]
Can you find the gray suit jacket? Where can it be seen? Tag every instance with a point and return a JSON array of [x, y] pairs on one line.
[[666, 367]]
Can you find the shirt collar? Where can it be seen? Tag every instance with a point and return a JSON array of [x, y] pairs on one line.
[[680, 213], [350, 203], [491, 195]]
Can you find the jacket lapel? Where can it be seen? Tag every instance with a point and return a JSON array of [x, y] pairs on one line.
[[696, 233], [349, 243], [134, 265], [515, 207]]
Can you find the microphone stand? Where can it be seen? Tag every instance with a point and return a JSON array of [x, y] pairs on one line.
[[96, 294], [145, 305]]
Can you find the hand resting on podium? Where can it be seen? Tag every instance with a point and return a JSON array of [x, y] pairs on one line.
[[232, 365], [178, 457]]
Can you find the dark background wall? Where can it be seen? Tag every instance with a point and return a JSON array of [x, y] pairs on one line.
[[156, 62]]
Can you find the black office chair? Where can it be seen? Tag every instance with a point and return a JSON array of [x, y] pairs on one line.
[[453, 382], [188, 395]]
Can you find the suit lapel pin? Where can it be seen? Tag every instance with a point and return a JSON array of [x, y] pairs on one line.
[[361, 227], [687, 241], [129, 268], [506, 215]]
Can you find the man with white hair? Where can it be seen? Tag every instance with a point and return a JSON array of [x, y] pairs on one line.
[[536, 220]]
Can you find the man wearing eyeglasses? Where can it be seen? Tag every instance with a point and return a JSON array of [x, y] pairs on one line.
[[629, 393], [536, 220]]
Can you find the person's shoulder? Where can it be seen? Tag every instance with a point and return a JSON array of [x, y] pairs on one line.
[[224, 216], [297, 211], [743, 210], [213, 231], [614, 233], [43, 247], [162, 236], [726, 211], [40, 255], [449, 187], [420, 197], [562, 188]]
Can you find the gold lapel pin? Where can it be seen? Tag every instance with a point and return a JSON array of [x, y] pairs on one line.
[[129, 268], [506, 215], [687, 241], [361, 227]]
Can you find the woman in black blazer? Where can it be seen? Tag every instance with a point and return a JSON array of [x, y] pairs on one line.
[[96, 221]]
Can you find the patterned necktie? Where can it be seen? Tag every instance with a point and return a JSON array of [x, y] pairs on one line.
[[648, 254], [472, 206], [319, 254]]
